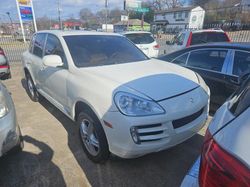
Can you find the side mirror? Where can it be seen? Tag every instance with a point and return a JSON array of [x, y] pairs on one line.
[[52, 61]]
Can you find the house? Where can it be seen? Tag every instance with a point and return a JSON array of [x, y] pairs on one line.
[[134, 25], [179, 18], [245, 4]]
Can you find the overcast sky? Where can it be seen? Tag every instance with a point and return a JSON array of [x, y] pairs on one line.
[[49, 7]]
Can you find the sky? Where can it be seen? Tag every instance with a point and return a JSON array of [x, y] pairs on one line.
[[49, 8]]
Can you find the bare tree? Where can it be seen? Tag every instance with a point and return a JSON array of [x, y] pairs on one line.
[[166, 4]]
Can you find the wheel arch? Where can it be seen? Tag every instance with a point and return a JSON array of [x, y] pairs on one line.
[[81, 105]]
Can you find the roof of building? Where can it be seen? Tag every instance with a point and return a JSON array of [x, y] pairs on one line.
[[132, 22], [177, 9]]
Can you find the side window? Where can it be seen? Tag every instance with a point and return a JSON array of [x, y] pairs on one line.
[[208, 59], [241, 62], [32, 43], [39, 44], [54, 47], [180, 39], [181, 60]]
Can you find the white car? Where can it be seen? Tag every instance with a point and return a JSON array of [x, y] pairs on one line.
[[144, 41], [195, 37], [225, 157], [122, 101]]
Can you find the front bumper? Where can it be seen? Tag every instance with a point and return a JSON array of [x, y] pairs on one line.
[[191, 179], [9, 129], [156, 133]]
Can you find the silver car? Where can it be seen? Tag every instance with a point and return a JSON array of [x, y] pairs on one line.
[[225, 157], [10, 134]]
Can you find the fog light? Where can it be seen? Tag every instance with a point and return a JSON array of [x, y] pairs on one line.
[[134, 134]]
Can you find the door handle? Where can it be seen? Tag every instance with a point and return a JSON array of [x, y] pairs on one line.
[[234, 81], [42, 68]]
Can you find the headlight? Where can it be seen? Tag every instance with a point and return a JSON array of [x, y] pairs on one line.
[[132, 105], [3, 107], [203, 84]]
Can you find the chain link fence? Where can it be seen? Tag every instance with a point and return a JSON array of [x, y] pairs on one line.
[[14, 46]]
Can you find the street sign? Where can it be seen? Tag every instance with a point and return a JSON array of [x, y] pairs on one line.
[[143, 10], [132, 4], [26, 13]]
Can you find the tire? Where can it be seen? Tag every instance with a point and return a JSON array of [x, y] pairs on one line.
[[93, 137], [31, 89], [19, 147]]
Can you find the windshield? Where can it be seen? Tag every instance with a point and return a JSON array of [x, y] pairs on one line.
[[140, 38], [97, 50]]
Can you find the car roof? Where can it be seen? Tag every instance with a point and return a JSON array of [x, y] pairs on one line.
[[61, 33], [136, 32], [208, 30], [229, 45], [204, 30]]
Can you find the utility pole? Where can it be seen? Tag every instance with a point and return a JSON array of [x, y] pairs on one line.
[[106, 15], [59, 15], [8, 13]]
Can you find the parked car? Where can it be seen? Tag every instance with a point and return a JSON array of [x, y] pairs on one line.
[[4, 66], [10, 134], [219, 64], [144, 41], [122, 101], [225, 157], [189, 38]]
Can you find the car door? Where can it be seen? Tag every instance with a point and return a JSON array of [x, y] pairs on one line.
[[211, 64], [35, 58], [53, 79]]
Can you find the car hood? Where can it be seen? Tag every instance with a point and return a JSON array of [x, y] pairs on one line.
[[153, 78]]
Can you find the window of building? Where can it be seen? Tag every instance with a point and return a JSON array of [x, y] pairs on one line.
[[175, 14]]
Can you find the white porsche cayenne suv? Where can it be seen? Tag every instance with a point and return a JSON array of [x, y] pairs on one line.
[[122, 101]]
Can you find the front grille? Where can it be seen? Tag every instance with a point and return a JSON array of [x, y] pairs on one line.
[[149, 133], [188, 119]]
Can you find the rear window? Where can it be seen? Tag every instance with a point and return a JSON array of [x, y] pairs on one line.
[[97, 50], [207, 37], [140, 38]]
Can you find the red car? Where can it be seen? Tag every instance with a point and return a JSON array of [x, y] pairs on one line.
[[4, 66]]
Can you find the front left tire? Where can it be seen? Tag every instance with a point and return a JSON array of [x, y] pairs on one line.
[[31, 89], [93, 137]]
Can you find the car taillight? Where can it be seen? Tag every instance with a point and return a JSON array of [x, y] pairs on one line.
[[228, 39], [157, 46], [219, 168], [189, 39]]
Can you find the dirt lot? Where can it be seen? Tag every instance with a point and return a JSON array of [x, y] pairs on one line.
[[53, 155]]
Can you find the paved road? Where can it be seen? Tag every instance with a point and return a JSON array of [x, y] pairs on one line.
[[53, 156]]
